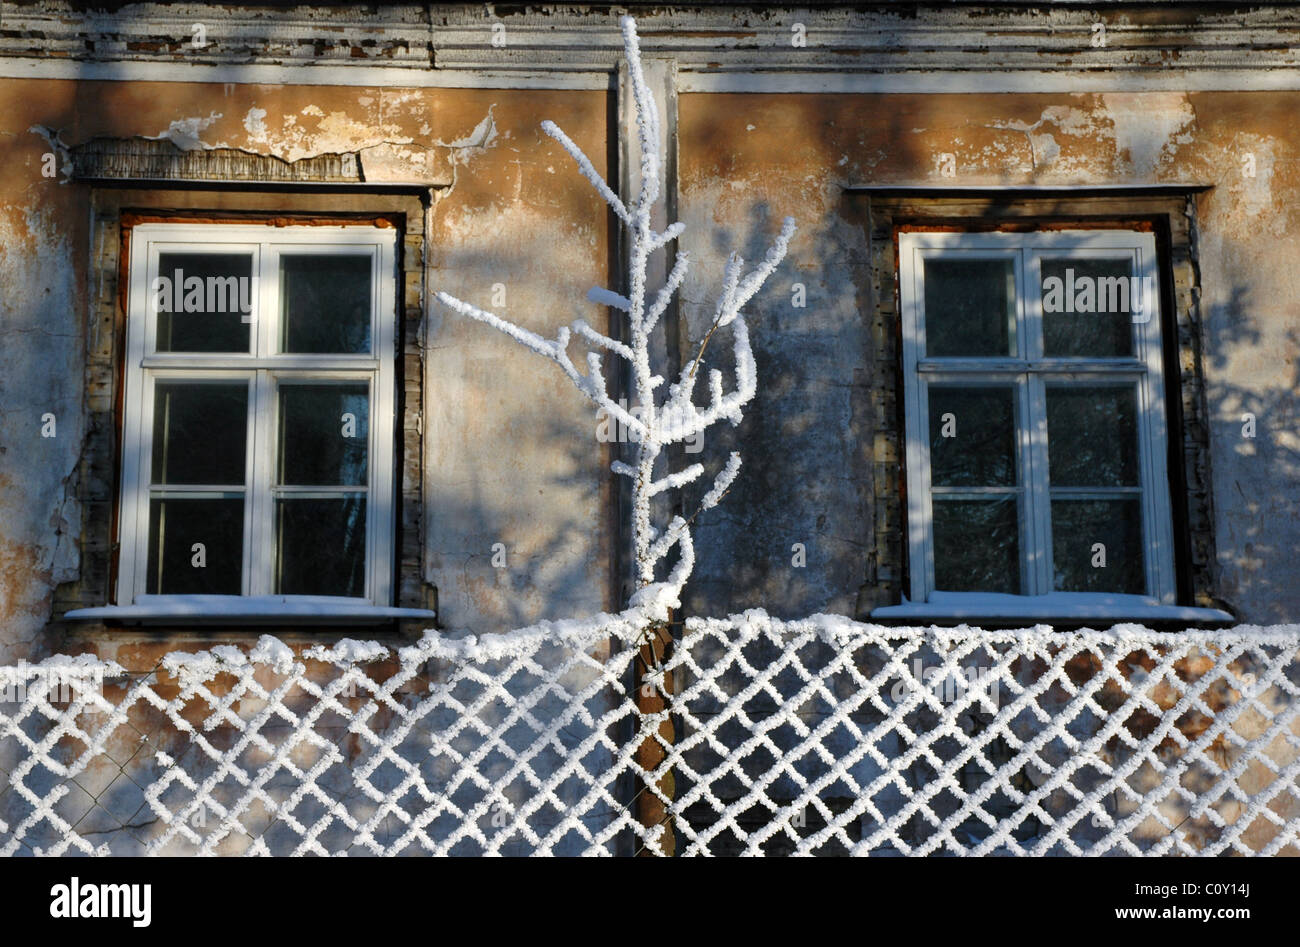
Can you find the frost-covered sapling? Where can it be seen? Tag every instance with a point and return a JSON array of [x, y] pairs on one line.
[[664, 415]]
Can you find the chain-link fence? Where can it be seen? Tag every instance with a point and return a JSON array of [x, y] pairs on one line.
[[821, 736]]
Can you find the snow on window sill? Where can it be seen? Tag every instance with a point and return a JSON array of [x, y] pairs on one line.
[[252, 610], [1072, 606]]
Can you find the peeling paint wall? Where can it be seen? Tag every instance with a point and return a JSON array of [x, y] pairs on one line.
[[511, 455], [511, 449], [42, 392], [747, 160]]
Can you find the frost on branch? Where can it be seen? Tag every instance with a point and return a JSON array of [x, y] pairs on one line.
[[661, 418]]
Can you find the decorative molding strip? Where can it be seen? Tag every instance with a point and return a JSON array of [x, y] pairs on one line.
[[916, 40], [847, 83], [372, 77], [303, 35], [872, 47]]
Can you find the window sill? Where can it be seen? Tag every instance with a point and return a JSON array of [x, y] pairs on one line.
[[247, 610], [1062, 606]]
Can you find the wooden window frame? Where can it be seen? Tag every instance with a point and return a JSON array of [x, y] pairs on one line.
[[85, 606], [884, 212], [263, 368], [1027, 372]]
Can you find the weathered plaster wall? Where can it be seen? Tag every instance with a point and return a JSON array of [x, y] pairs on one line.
[[511, 450], [42, 231], [508, 210], [511, 455], [747, 160]]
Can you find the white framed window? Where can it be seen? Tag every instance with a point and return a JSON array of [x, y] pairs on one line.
[[258, 429], [1035, 423]]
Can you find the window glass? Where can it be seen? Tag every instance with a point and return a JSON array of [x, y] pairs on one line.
[[1088, 307], [200, 432], [325, 303], [324, 434], [972, 436], [976, 545], [321, 545], [203, 302], [1092, 435], [1097, 546], [970, 307], [196, 545]]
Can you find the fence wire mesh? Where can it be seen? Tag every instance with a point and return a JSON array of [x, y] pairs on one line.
[[820, 736]]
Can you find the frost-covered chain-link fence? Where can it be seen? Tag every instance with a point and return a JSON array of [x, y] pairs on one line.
[[821, 737], [826, 736], [511, 746]]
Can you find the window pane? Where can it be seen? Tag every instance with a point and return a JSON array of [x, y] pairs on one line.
[[970, 307], [324, 434], [203, 301], [325, 303], [972, 436], [1092, 436], [196, 546], [1087, 308], [322, 546], [976, 545], [200, 433], [1097, 546]]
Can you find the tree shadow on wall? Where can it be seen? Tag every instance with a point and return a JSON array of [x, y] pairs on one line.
[[1256, 457]]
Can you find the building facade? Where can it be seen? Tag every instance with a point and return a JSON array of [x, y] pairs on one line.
[[1032, 355]]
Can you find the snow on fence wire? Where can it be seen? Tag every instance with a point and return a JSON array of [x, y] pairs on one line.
[[828, 736], [821, 736]]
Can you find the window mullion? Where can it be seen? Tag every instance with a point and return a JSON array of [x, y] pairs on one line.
[[1038, 488], [261, 431], [262, 472], [1037, 499], [1032, 305], [268, 292]]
